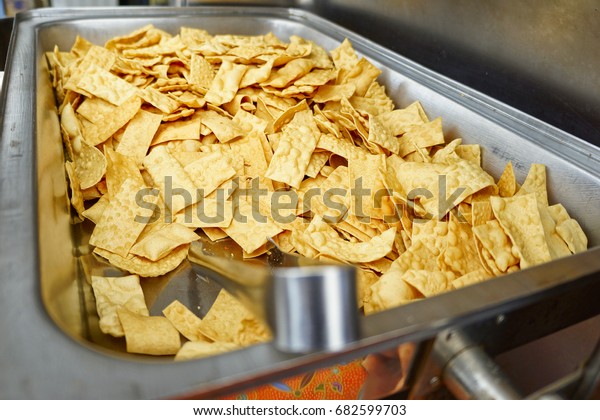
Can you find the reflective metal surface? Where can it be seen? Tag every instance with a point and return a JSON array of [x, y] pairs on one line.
[[314, 308], [309, 306], [47, 316], [469, 372]]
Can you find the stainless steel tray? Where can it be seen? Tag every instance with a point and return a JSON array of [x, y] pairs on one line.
[[48, 349]]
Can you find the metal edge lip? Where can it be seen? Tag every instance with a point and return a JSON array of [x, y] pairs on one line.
[[265, 360], [414, 320]]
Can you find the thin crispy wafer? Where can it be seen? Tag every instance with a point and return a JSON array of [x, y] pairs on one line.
[[124, 219], [294, 151], [113, 293]]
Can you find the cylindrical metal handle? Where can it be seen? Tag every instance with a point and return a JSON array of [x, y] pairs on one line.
[[313, 308], [469, 372], [472, 374]]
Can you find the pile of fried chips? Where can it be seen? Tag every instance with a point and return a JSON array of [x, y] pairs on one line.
[[151, 113]]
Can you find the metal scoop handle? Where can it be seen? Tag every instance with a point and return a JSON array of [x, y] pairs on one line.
[[308, 307]]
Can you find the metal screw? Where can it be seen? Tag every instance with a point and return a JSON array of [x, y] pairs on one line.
[[434, 381], [500, 319]]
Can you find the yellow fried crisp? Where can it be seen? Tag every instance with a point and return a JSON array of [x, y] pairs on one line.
[[248, 139], [153, 335], [123, 220], [185, 321], [114, 293]]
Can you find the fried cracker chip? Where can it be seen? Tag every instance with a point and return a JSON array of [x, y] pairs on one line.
[[185, 129], [339, 147], [333, 93], [460, 255], [498, 244], [175, 185], [364, 280], [391, 291], [249, 148], [225, 83], [316, 163], [153, 335], [361, 75], [365, 173], [286, 116], [224, 128], [198, 349], [372, 106], [143, 266], [228, 321], [94, 213], [249, 122], [201, 72], [470, 152], [447, 154], [458, 181], [214, 234], [399, 121], [331, 200], [165, 103], [90, 163], [570, 231], [185, 321], [92, 109], [380, 135], [294, 151], [161, 241], [249, 232], [120, 168], [520, 218], [124, 219], [558, 213], [81, 46], [535, 183], [138, 135], [481, 212], [326, 241], [429, 283], [421, 136], [376, 101], [128, 39], [209, 171], [301, 244], [111, 121], [101, 83], [431, 232], [95, 56], [468, 279], [291, 71], [208, 212], [114, 293], [486, 259], [344, 57], [556, 245], [317, 77]]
